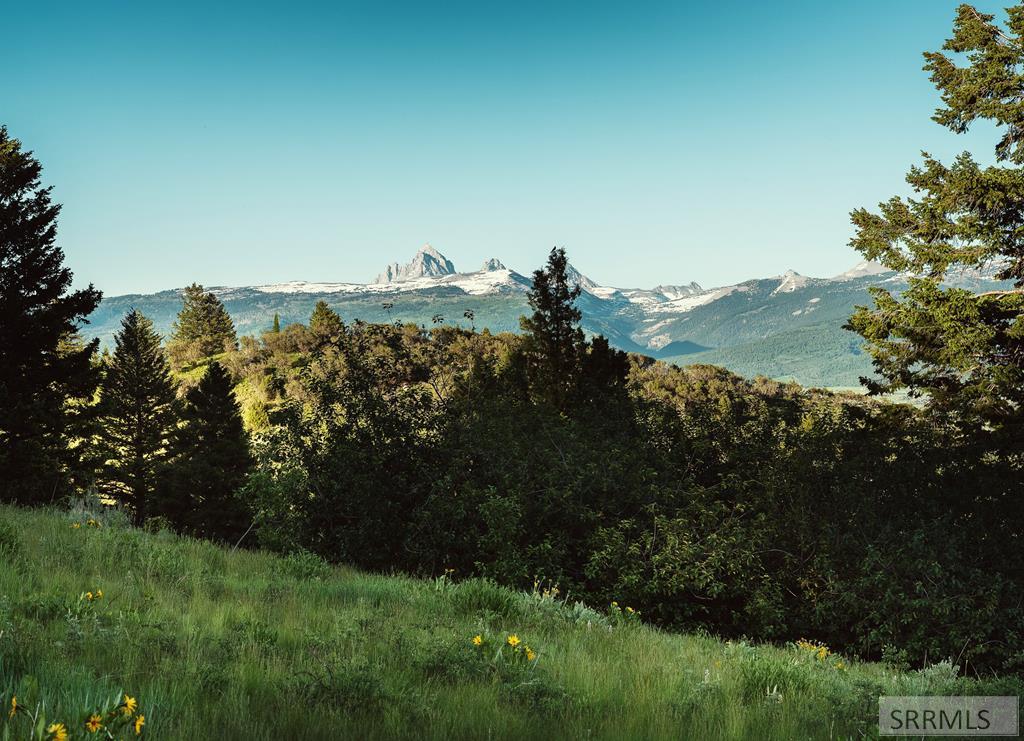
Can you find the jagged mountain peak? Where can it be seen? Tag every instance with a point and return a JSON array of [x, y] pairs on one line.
[[492, 264], [427, 263], [688, 289], [790, 281], [576, 278]]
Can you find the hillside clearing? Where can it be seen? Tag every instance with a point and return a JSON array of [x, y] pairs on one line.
[[238, 644]]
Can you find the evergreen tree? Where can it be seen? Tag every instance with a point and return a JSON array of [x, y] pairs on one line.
[[325, 324], [603, 367], [276, 329], [211, 464], [138, 407], [962, 349], [203, 328], [554, 343], [45, 372]]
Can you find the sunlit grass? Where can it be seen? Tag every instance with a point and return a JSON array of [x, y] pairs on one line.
[[237, 644]]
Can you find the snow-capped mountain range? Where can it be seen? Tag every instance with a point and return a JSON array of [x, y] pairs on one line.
[[430, 269], [788, 325]]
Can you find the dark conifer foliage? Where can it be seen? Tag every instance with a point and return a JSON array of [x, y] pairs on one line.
[[325, 324], [965, 351], [554, 341], [203, 329], [138, 414], [277, 323], [46, 374], [212, 459]]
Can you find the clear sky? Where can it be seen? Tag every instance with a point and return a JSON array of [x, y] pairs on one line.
[[659, 143]]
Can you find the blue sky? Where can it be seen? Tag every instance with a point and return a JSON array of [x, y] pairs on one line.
[[659, 143]]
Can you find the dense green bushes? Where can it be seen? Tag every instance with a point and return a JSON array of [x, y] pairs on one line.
[[743, 507]]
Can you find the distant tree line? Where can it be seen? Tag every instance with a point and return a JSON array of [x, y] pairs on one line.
[[744, 507]]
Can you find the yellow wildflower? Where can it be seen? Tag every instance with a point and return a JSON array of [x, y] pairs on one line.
[[89, 596], [129, 706], [99, 594], [57, 731], [92, 523], [14, 706], [478, 640], [615, 604], [840, 665], [76, 525], [629, 610], [94, 723], [513, 641], [139, 723], [530, 655]]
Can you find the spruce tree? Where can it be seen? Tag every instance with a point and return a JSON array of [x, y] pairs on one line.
[[963, 350], [211, 463], [203, 328], [138, 414], [276, 329], [46, 374], [554, 342], [325, 324]]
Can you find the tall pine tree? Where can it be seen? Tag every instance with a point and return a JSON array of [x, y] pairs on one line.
[[212, 460], [46, 374], [963, 350], [325, 325], [203, 328], [138, 414], [554, 342]]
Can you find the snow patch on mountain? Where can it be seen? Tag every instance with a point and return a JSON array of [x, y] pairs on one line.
[[688, 303], [860, 270], [791, 281], [473, 283]]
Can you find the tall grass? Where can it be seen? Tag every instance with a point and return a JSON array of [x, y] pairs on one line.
[[225, 644]]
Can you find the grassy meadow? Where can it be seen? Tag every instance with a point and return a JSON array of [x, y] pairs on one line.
[[221, 644]]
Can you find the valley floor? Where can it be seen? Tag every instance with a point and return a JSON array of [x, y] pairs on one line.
[[221, 644]]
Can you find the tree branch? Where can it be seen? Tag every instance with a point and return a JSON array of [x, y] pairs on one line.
[[1006, 39], [1011, 292]]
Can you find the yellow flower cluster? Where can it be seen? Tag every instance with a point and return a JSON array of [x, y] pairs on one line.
[[627, 614], [90, 596], [518, 646], [819, 650], [513, 641], [548, 592], [124, 716], [88, 523]]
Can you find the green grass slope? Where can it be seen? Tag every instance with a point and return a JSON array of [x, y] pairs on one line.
[[221, 644]]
